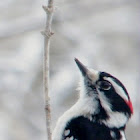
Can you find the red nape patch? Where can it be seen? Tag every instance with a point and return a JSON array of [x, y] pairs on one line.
[[129, 103]]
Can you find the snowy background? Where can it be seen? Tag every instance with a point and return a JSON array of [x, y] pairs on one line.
[[102, 34]]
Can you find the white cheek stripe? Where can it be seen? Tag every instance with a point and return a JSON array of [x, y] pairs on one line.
[[116, 119], [118, 89]]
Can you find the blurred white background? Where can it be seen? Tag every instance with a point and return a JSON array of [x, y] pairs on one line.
[[102, 34]]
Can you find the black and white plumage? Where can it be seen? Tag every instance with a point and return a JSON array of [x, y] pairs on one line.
[[101, 113]]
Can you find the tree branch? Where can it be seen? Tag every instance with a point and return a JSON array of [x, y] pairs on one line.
[[49, 9]]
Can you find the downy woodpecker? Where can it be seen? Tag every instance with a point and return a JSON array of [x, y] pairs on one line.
[[101, 112]]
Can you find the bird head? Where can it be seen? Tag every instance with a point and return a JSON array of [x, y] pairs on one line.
[[109, 92]]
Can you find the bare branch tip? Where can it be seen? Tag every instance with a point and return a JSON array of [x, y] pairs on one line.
[[48, 9]]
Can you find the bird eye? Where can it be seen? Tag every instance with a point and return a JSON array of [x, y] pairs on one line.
[[104, 85]]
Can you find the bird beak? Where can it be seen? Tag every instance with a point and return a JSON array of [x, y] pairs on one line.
[[90, 73], [82, 67]]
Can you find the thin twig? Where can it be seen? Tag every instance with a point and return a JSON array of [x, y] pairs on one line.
[[47, 34]]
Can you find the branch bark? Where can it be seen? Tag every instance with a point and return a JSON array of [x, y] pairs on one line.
[[49, 9]]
